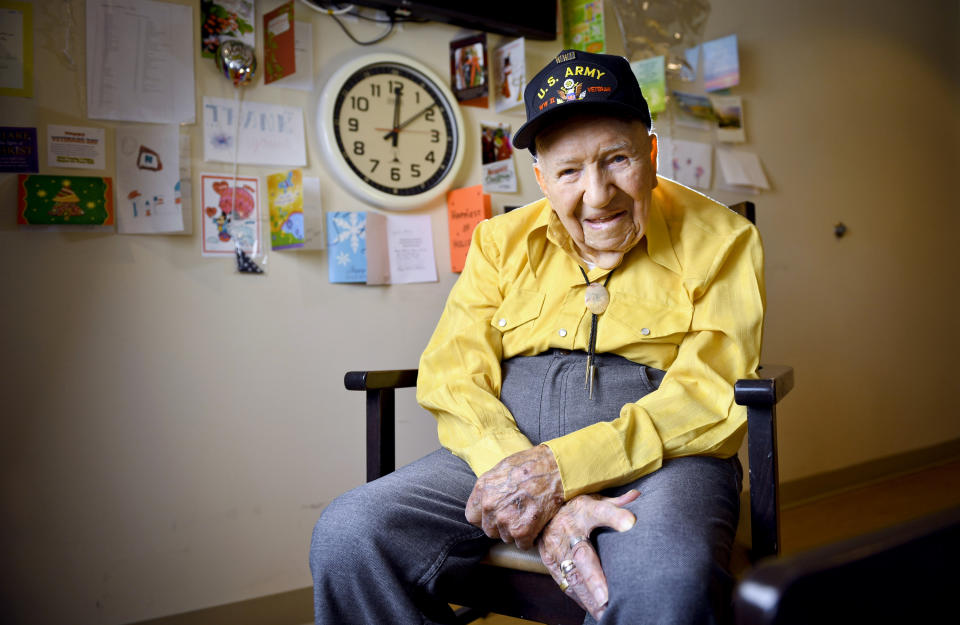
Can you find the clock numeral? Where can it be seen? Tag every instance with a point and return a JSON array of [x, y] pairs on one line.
[[375, 163], [430, 157], [416, 96], [415, 170], [353, 124], [358, 148], [375, 90], [395, 174], [395, 86], [359, 103], [434, 136], [429, 115]]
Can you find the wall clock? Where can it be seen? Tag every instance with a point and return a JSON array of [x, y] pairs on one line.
[[390, 131]]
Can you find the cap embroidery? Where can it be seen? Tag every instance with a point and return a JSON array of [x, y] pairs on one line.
[[563, 58], [571, 91]]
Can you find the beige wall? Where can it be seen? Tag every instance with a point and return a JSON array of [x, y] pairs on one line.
[[171, 429]]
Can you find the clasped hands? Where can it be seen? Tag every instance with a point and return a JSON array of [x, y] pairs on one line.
[[520, 500]]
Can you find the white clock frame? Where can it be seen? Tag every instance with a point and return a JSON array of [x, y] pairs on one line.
[[335, 160]]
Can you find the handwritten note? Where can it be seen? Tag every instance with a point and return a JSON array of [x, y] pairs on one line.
[[270, 134], [466, 208]]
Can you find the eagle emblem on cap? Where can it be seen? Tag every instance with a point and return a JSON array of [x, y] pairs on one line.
[[570, 91]]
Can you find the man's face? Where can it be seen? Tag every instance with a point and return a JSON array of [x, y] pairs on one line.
[[598, 173]]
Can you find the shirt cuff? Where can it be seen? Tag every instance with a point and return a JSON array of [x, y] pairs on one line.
[[492, 448]]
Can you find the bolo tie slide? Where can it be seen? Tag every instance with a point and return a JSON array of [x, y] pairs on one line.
[[596, 298]]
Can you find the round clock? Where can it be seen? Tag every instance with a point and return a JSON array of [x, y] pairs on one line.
[[390, 130]]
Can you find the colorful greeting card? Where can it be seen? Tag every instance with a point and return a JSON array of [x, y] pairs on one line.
[[651, 74], [279, 43], [583, 25], [499, 173], [468, 70], [149, 199], [231, 215], [225, 19], [18, 149], [64, 200], [347, 246], [466, 208], [694, 111], [285, 201], [721, 63], [509, 67]]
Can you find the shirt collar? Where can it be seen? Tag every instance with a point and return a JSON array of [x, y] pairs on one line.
[[548, 228]]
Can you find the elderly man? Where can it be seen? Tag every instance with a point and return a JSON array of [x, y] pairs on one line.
[[582, 378]]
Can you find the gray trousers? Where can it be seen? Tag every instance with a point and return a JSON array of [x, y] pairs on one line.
[[380, 551]]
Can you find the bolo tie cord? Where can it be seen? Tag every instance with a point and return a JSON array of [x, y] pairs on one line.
[[591, 371]]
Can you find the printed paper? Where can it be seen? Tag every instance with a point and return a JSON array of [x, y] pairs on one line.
[[313, 220], [16, 49], [76, 146], [18, 150], [148, 179], [231, 215], [741, 170], [140, 61], [499, 173], [509, 67], [370, 248], [270, 134], [64, 200]]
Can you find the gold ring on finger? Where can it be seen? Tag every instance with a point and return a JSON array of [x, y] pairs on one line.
[[564, 584], [576, 540]]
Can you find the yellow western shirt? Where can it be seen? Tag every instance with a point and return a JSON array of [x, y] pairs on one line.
[[688, 299]]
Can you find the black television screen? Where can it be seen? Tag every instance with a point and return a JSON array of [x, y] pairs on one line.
[[534, 19]]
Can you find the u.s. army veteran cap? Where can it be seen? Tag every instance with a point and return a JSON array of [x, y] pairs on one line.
[[580, 82]]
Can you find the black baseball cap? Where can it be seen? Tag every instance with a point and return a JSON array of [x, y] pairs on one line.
[[578, 82]]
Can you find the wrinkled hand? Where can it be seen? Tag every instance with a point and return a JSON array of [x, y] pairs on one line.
[[586, 583], [516, 498]]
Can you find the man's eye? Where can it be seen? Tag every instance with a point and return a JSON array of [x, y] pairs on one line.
[[619, 158], [566, 172]]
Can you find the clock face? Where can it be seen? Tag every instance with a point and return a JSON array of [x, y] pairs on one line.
[[394, 132]]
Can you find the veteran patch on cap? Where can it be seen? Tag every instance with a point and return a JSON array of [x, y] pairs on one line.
[[580, 82]]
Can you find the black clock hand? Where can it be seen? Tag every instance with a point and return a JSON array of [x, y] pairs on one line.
[[396, 119], [409, 121]]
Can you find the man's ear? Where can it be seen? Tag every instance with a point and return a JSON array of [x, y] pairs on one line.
[[539, 175], [653, 158]]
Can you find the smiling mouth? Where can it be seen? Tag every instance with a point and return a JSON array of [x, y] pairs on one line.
[[599, 222]]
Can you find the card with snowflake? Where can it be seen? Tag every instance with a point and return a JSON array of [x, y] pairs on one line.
[[347, 246]]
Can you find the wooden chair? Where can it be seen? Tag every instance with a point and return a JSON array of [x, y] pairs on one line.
[[516, 583]]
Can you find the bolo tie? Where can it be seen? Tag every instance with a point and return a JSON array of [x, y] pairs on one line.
[[596, 298]]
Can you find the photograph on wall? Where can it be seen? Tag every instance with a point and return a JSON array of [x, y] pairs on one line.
[[509, 69], [285, 204], [231, 215], [499, 173], [468, 70], [729, 112], [64, 200], [148, 179], [693, 110], [18, 150], [221, 20]]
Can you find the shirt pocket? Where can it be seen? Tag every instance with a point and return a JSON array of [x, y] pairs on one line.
[[519, 308], [644, 321]]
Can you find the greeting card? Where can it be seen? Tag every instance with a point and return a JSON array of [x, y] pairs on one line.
[[285, 201], [279, 43], [64, 200]]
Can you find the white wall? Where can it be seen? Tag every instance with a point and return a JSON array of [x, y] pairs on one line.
[[171, 429]]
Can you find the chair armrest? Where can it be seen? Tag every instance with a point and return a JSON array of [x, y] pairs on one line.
[[772, 385], [376, 380]]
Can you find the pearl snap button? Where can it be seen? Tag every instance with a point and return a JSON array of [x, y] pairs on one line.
[[502, 322], [645, 331], [562, 332]]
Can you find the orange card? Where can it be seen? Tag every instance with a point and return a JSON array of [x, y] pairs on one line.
[[466, 208]]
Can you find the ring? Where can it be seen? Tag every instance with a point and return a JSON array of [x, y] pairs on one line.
[[563, 584], [567, 567], [576, 540]]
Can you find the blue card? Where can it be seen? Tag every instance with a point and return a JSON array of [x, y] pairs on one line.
[[18, 150], [721, 64], [347, 246]]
